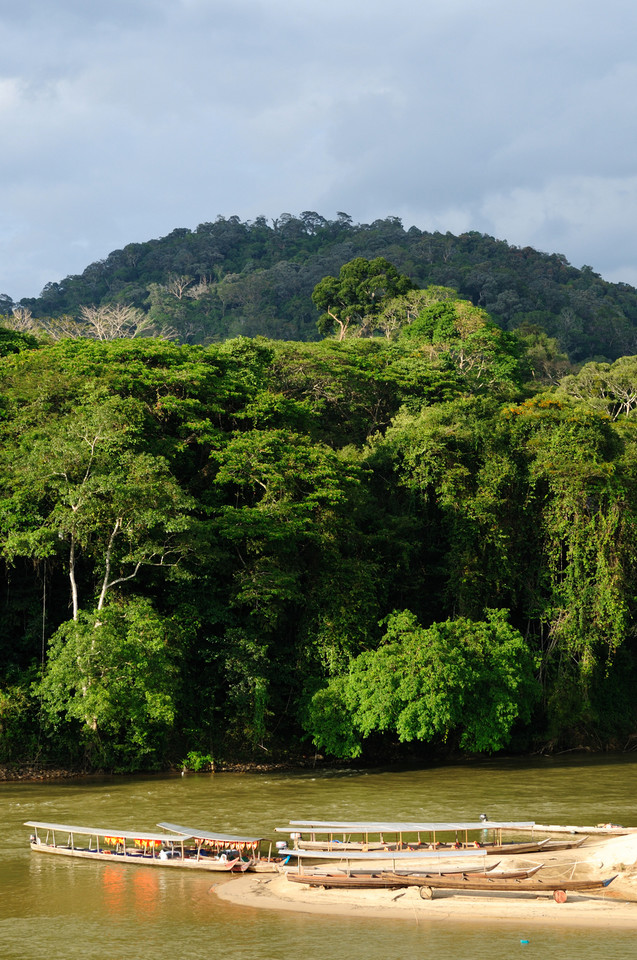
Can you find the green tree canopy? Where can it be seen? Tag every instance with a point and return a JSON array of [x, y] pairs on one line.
[[83, 482], [464, 337], [463, 681], [359, 291], [604, 386], [114, 676]]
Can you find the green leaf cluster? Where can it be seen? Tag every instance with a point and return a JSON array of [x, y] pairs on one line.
[[462, 680]]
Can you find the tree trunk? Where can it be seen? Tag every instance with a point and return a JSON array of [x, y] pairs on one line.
[[72, 578]]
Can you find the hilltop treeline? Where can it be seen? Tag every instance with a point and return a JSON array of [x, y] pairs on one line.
[[231, 278], [363, 547]]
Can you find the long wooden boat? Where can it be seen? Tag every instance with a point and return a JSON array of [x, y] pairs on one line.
[[334, 836], [514, 849], [442, 870], [133, 847], [489, 849], [247, 847], [559, 888], [365, 879], [365, 835], [564, 844], [376, 880], [348, 881], [518, 873], [402, 830], [396, 856]]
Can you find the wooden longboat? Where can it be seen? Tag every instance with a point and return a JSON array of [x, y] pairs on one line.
[[489, 849], [514, 849], [565, 844], [345, 881], [250, 847], [558, 888], [140, 848], [532, 846], [374, 835], [414, 836], [393, 880], [442, 871], [489, 873], [372, 856]]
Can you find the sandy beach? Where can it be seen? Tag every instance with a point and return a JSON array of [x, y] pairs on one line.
[[615, 906]]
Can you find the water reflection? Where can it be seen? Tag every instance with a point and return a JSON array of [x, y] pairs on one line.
[[113, 884]]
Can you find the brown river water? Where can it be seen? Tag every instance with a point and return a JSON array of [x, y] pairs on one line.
[[54, 907]]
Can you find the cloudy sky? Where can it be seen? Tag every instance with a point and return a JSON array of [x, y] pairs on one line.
[[123, 119]]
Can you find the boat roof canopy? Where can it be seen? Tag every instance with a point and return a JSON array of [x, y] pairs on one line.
[[371, 855], [358, 826], [107, 832], [198, 834]]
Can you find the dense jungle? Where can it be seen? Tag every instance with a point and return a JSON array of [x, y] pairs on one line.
[[273, 491]]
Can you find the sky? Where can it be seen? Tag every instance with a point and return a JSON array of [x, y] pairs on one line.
[[121, 120]]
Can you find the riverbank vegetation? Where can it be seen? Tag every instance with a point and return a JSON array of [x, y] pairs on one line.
[[415, 535]]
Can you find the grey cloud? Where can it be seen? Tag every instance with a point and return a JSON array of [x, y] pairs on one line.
[[128, 119], [32, 13]]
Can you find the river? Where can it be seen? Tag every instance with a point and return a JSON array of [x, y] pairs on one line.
[[57, 908]]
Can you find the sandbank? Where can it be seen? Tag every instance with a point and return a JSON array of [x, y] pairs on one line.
[[615, 906]]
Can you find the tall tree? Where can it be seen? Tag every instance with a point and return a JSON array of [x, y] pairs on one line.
[[359, 291], [81, 480], [462, 681], [113, 679]]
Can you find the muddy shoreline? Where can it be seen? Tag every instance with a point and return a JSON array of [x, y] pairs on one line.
[[36, 772], [20, 772]]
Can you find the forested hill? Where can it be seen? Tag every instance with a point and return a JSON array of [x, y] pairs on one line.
[[230, 278]]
